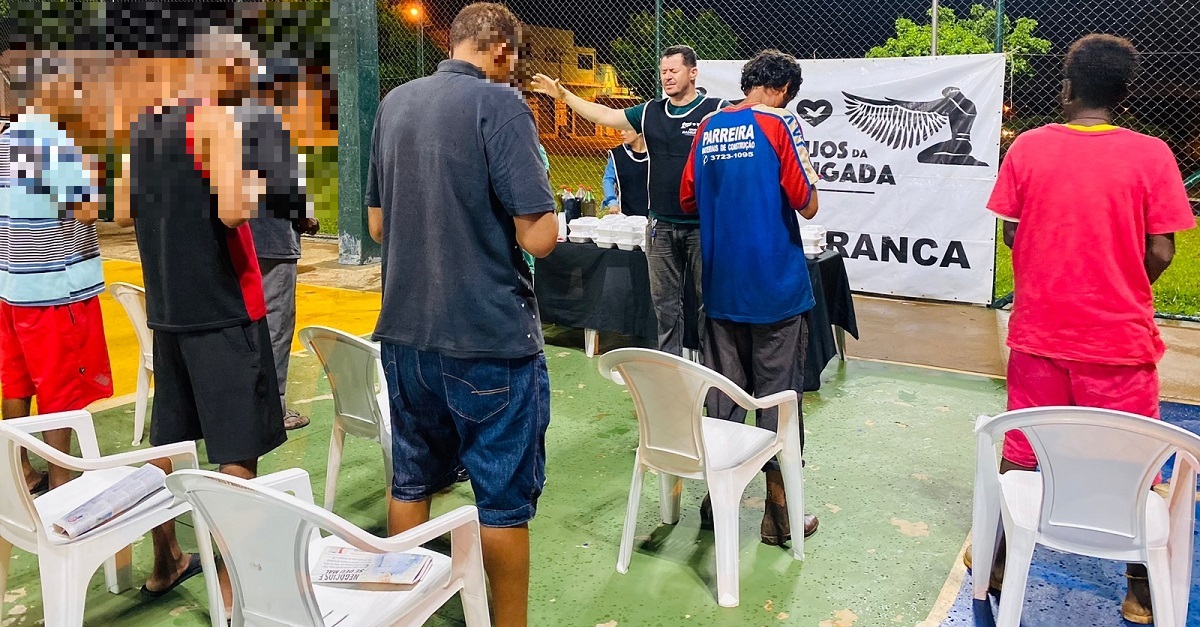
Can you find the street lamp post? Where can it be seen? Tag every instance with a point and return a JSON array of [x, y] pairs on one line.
[[416, 13]]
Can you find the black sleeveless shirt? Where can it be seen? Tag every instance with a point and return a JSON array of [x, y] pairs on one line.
[[200, 275], [631, 170], [669, 143]]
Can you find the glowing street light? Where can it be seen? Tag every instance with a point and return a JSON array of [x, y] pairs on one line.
[[416, 13]]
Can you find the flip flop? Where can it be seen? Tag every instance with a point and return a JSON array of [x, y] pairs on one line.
[[194, 568], [42, 486]]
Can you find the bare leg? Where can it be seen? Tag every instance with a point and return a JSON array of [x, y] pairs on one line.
[[169, 560], [61, 440], [19, 408], [506, 560], [247, 469], [403, 516], [997, 574]]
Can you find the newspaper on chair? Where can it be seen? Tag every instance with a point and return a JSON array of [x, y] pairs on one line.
[[110, 503], [347, 565]]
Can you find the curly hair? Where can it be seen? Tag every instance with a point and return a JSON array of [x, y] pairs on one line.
[[773, 69], [1101, 68], [486, 24]]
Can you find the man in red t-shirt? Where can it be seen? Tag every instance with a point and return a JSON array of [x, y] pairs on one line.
[[1090, 211]]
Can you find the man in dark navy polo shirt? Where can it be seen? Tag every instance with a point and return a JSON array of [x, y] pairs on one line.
[[456, 188]]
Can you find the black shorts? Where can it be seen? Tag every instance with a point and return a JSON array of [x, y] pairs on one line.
[[218, 386]]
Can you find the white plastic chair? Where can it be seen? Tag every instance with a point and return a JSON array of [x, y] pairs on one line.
[[67, 565], [360, 397], [679, 443], [271, 540], [133, 299], [1092, 497]]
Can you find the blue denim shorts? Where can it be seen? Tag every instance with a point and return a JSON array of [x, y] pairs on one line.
[[489, 414]]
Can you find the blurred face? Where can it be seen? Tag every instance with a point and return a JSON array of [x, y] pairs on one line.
[[677, 78], [628, 137], [225, 79], [77, 96], [500, 64]]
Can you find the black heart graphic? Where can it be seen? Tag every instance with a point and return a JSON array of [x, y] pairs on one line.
[[814, 112]]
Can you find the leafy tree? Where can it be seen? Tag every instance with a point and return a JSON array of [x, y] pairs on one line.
[[975, 34], [636, 60]]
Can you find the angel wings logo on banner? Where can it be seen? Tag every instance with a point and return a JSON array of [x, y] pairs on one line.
[[905, 125]]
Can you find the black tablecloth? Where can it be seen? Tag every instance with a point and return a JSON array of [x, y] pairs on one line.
[[607, 289]]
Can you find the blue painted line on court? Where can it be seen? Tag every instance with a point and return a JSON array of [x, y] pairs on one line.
[[1074, 590]]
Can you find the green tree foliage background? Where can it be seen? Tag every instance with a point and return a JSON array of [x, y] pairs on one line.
[[974, 34], [636, 60]]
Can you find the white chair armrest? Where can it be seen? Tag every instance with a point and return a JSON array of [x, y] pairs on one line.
[[465, 516], [181, 454], [748, 402], [774, 400], [78, 421], [293, 480]]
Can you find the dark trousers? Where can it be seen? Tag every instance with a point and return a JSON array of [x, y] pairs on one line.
[[762, 359], [673, 258]]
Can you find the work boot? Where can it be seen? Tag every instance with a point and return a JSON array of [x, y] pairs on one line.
[[996, 578], [1136, 608], [776, 526]]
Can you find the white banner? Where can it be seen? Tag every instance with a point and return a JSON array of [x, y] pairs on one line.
[[907, 150]]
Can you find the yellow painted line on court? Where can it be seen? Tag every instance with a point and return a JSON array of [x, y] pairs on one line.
[[949, 592], [351, 311]]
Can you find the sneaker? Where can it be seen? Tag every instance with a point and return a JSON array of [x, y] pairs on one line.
[[293, 420], [463, 476]]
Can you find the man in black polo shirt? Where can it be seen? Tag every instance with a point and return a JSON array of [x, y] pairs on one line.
[[669, 124], [456, 188]]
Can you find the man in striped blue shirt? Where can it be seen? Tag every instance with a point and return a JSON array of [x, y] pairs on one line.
[[52, 343]]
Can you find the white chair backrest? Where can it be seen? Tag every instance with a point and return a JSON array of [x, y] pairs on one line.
[[354, 370], [1097, 467], [264, 536], [133, 299], [18, 518], [668, 394]]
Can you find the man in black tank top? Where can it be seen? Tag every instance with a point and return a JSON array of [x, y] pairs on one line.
[[187, 189], [673, 238]]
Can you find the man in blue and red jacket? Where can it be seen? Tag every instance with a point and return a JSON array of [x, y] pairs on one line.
[[748, 174]]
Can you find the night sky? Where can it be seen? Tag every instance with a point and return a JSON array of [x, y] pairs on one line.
[[841, 28]]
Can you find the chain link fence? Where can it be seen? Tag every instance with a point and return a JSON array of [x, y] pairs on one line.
[[607, 51]]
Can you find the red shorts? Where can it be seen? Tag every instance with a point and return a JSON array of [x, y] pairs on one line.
[[56, 353], [1041, 382]]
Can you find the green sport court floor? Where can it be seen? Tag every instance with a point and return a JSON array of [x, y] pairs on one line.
[[889, 453]]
